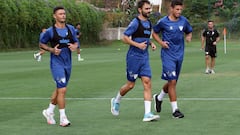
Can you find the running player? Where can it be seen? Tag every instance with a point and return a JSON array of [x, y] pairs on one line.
[[172, 28], [77, 29], [38, 56], [138, 60], [62, 38]]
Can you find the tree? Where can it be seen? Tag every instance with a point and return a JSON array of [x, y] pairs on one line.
[[231, 13]]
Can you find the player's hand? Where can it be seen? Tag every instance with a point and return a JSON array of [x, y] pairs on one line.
[[215, 43], [165, 44], [154, 47], [72, 47], [56, 51], [188, 38], [142, 45]]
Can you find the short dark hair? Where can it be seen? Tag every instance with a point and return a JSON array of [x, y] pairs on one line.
[[210, 21], [58, 8], [78, 24], [176, 2], [142, 2]]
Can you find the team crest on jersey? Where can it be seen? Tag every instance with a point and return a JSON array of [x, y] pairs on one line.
[[180, 28], [61, 80], [171, 27]]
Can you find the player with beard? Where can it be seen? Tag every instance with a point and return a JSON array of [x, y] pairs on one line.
[[62, 38], [172, 28], [137, 59]]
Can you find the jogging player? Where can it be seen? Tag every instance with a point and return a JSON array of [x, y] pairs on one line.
[[137, 60], [62, 38], [173, 28]]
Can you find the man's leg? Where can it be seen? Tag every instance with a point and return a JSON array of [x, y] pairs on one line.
[[115, 102], [212, 65], [61, 92], [158, 98], [207, 63], [49, 112], [173, 99], [147, 93]]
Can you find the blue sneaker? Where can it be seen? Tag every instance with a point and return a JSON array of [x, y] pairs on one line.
[[150, 117], [114, 107]]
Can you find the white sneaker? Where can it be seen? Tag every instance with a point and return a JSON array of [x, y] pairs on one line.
[[35, 56], [114, 107], [49, 117], [80, 59], [212, 71], [39, 58], [207, 71], [64, 122], [150, 117]]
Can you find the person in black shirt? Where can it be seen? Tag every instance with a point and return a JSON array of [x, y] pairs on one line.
[[210, 37]]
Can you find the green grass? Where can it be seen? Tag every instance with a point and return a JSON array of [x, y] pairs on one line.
[[209, 102]]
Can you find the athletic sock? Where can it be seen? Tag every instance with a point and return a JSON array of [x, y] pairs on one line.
[[51, 108], [161, 95], [62, 113], [174, 106], [147, 105], [118, 98]]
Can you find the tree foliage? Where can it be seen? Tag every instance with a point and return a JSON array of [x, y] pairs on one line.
[[230, 12], [22, 20]]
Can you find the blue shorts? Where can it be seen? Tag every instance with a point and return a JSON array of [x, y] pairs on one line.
[[137, 67], [171, 68], [78, 41], [61, 75]]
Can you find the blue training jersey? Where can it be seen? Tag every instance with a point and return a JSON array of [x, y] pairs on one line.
[[64, 58], [131, 29], [173, 32], [41, 35], [77, 34]]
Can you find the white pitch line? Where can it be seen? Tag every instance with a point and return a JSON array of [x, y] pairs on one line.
[[104, 98]]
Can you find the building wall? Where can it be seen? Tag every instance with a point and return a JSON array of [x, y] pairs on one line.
[[112, 33]]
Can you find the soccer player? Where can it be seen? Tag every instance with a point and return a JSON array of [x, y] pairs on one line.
[[137, 59], [211, 36], [172, 28], [62, 38], [38, 56], [77, 29]]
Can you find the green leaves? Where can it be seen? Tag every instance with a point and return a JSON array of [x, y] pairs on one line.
[[22, 20]]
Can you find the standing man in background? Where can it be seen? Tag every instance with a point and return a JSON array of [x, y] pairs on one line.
[[63, 40], [172, 27], [211, 36], [138, 60]]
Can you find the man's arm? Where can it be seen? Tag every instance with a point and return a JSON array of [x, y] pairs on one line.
[[54, 50], [164, 44], [129, 41], [202, 42], [189, 37]]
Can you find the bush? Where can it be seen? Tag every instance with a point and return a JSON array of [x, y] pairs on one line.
[[22, 20]]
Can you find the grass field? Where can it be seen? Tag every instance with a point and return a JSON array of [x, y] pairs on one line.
[[210, 102]]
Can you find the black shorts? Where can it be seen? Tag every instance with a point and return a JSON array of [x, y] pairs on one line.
[[211, 51]]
